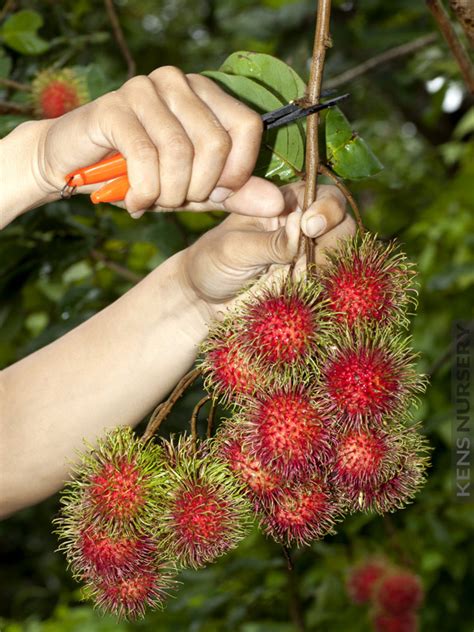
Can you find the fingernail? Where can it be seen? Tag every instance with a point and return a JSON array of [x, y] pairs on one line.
[[316, 225], [220, 194], [137, 214]]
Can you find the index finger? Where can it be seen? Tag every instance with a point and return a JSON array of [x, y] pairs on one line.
[[243, 125]]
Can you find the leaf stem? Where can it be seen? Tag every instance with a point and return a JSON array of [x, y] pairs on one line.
[[326, 171], [194, 417]]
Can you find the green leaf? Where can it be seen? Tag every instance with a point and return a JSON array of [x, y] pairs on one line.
[[20, 33], [347, 153], [267, 70], [282, 154]]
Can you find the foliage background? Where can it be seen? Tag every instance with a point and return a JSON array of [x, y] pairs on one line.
[[51, 280]]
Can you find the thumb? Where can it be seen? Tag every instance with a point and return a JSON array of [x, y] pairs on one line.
[[262, 248]]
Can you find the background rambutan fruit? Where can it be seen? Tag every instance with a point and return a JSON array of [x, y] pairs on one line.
[[286, 431], [368, 376], [368, 282], [387, 622], [301, 513], [362, 579], [130, 594], [399, 591], [55, 92], [204, 510], [115, 486]]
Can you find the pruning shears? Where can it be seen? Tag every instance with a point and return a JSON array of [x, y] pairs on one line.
[[113, 170]]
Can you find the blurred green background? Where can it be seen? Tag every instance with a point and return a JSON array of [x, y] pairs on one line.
[[415, 114]]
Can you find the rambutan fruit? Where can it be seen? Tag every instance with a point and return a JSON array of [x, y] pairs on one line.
[[301, 513], [204, 510], [362, 579], [368, 282], [115, 486], [367, 377], [387, 622], [399, 591], [55, 92], [282, 324], [228, 369], [130, 594], [285, 430]]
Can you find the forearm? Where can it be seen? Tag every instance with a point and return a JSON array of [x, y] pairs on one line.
[[109, 371], [21, 183]]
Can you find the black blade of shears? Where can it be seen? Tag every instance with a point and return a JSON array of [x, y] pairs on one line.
[[293, 111]]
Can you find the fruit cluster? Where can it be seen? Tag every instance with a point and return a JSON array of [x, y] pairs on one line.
[[394, 593], [56, 92], [321, 378]]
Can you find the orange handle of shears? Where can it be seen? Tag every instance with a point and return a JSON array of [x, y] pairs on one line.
[[106, 169], [113, 191]]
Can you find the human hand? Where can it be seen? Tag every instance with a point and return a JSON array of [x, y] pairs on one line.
[[226, 258], [185, 141]]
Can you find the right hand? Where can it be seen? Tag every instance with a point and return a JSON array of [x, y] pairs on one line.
[[185, 140]]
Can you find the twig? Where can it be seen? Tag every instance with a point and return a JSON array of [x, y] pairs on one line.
[[210, 418], [6, 8], [464, 11], [456, 47], [122, 271], [321, 42], [195, 415], [120, 38], [162, 411], [326, 171], [15, 85], [9, 107], [383, 58], [287, 555]]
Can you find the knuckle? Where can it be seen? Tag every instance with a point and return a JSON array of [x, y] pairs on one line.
[[180, 148], [253, 122], [277, 246], [219, 143], [167, 74], [138, 83], [143, 150]]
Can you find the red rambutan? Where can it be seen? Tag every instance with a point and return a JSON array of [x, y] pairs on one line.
[[386, 622], [286, 431], [399, 591], [56, 92], [301, 513], [368, 282], [368, 376], [362, 579], [205, 512]]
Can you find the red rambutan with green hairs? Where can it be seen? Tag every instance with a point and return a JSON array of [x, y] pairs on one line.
[[301, 513], [399, 591], [55, 92], [368, 377], [387, 622], [362, 579], [285, 430], [115, 486], [368, 282], [129, 595], [204, 509]]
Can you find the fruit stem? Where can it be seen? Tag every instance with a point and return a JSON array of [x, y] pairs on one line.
[[210, 418], [194, 418], [162, 410], [326, 171]]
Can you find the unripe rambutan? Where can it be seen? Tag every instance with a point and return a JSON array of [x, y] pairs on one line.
[[387, 622], [55, 92], [368, 282], [204, 509], [285, 430], [302, 513], [362, 579], [399, 591], [130, 594], [368, 376], [115, 486]]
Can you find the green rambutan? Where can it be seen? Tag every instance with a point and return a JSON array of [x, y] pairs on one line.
[[204, 509], [367, 377], [55, 92], [368, 282], [363, 578]]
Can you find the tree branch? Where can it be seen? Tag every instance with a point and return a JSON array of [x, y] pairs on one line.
[[15, 85], [9, 107], [383, 58], [122, 271], [456, 47], [464, 11], [313, 93], [120, 38]]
